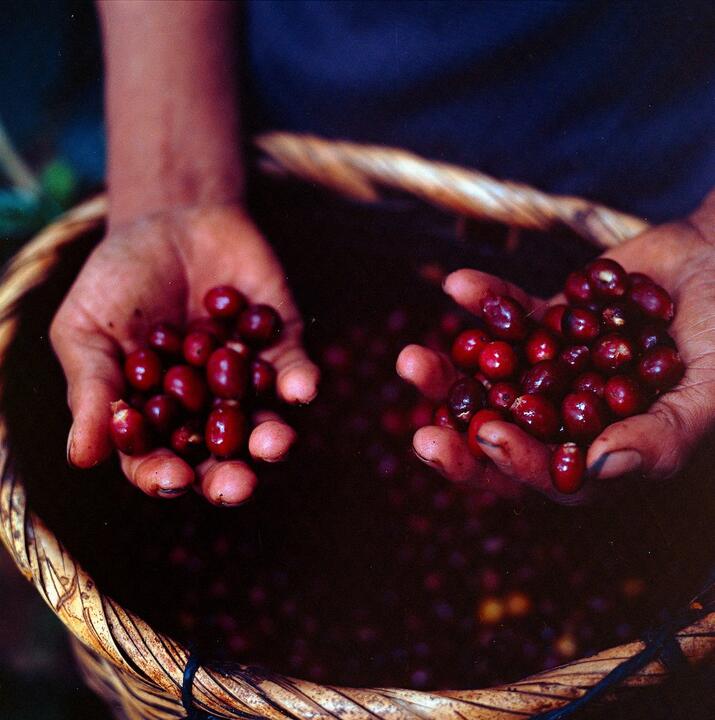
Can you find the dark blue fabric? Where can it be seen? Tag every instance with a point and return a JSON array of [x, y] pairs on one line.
[[615, 101]]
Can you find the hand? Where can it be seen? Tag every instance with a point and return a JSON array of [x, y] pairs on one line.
[[158, 269], [656, 444]]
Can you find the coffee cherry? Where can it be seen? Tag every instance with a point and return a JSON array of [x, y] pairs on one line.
[[580, 325], [652, 300], [624, 396], [607, 279], [224, 301], [651, 335], [504, 317], [584, 415], [501, 395], [541, 345], [187, 386], [142, 368], [162, 413], [660, 368], [259, 325], [498, 360], [575, 357], [616, 318], [212, 326], [553, 317], [636, 277], [466, 348], [128, 430], [464, 398], [577, 288], [481, 417], [165, 339], [546, 378], [198, 346], [227, 373], [568, 468], [188, 442], [613, 354], [263, 377], [590, 381], [443, 418], [536, 415], [225, 432]]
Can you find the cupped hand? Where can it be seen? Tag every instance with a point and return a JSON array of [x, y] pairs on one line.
[[158, 269], [656, 444]]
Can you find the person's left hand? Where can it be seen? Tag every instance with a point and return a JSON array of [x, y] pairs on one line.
[[679, 256]]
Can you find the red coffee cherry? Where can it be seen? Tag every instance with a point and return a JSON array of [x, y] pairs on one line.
[[501, 395], [224, 301], [568, 468], [651, 335], [259, 325], [607, 279], [636, 277], [541, 345], [616, 318], [263, 377], [504, 317], [142, 368], [162, 413], [613, 354], [198, 347], [590, 381], [443, 418], [467, 346], [165, 339], [128, 430], [479, 419], [240, 347], [576, 357], [187, 441], [546, 378], [536, 415], [464, 398], [187, 385], [580, 325], [553, 317], [212, 326], [624, 396], [498, 361], [584, 415], [227, 374], [577, 288], [660, 368], [652, 300], [225, 432]]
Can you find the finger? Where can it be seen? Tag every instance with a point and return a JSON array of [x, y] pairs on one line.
[[94, 381], [228, 483], [271, 439], [159, 473], [469, 287], [431, 372]]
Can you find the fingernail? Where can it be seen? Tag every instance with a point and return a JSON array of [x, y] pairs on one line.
[[502, 459], [69, 447], [172, 492], [432, 463], [615, 464]]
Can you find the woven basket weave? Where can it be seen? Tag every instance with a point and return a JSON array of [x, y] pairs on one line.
[[138, 671]]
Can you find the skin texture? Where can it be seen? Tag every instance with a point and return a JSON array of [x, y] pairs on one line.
[[656, 444]]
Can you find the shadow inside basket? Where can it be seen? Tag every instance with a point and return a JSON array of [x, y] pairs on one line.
[[355, 564]]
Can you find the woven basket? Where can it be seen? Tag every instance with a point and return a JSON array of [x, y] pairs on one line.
[[140, 672]]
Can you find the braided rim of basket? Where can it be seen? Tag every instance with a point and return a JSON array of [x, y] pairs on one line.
[[153, 664]]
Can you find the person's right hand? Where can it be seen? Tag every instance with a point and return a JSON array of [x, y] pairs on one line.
[[158, 269]]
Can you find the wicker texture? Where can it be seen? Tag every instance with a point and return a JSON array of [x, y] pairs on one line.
[[138, 671]]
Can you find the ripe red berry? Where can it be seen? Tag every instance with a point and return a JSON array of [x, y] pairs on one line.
[[584, 415], [613, 354], [467, 346], [263, 377], [576, 357], [224, 301], [504, 317], [479, 419], [259, 325], [443, 418], [546, 378], [590, 381], [537, 415], [212, 326], [568, 468], [198, 346], [166, 339], [541, 345], [660, 368], [498, 361], [225, 432], [227, 373], [636, 277], [577, 288], [501, 395], [162, 413], [616, 318], [651, 335], [607, 278], [128, 430], [142, 368], [464, 398], [188, 442], [580, 325], [186, 384], [624, 396], [240, 347], [553, 316], [652, 300]]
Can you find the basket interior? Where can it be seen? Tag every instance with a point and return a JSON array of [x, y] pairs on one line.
[[356, 565]]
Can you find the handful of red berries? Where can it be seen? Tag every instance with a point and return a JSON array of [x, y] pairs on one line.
[[192, 390], [604, 356]]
